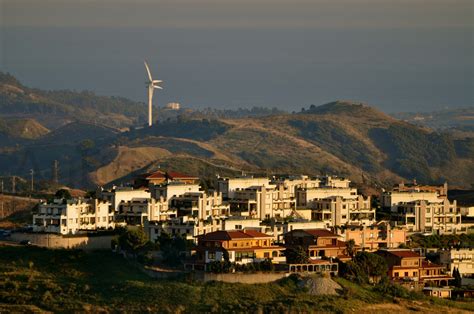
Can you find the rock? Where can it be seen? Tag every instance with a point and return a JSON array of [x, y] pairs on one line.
[[317, 285]]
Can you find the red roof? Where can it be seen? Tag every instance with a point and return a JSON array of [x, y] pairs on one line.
[[168, 175], [178, 175], [403, 254], [224, 235], [427, 264], [156, 175], [320, 233]]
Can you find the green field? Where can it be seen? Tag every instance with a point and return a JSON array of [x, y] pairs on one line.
[[36, 279]]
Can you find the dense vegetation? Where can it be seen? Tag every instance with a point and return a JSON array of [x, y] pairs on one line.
[[334, 139], [411, 152], [443, 241], [196, 129]]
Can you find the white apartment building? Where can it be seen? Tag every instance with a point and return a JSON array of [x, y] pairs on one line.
[[73, 216], [173, 189], [294, 182], [200, 205], [404, 193], [137, 210], [278, 229], [329, 187], [228, 186], [339, 211], [263, 202], [462, 259], [430, 217], [186, 227], [118, 195], [241, 223]]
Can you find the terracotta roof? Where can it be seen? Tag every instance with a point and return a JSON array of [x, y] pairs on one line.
[[178, 175], [170, 174], [320, 233], [224, 235], [426, 264], [403, 254], [156, 175]]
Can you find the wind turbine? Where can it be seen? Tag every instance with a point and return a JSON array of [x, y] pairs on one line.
[[151, 84]]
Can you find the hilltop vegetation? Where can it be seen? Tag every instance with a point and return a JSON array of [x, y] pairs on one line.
[[36, 279]]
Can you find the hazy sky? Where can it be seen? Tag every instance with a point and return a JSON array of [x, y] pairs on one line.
[[399, 55]]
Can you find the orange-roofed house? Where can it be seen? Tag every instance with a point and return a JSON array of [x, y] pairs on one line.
[[319, 243], [409, 268], [160, 177], [242, 247]]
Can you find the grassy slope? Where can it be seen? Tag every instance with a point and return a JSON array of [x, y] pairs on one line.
[[65, 281]]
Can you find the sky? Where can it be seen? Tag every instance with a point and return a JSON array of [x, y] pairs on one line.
[[397, 55]]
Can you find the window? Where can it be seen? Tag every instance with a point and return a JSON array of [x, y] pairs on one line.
[[406, 274], [266, 254], [211, 255], [396, 274]]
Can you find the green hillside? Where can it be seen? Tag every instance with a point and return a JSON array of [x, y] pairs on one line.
[[35, 279]]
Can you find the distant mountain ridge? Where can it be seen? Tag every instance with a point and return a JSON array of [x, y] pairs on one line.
[[342, 137]]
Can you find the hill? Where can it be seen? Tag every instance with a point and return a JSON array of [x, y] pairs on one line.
[[22, 128], [36, 280], [55, 108], [99, 140]]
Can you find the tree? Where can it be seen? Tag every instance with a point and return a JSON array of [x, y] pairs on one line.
[[365, 267], [172, 248], [132, 240], [372, 264], [296, 255], [350, 247], [457, 277], [63, 194]]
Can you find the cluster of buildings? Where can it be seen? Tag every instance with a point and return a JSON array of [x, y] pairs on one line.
[[246, 219]]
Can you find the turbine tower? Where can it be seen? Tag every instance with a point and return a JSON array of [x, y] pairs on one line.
[[151, 84]]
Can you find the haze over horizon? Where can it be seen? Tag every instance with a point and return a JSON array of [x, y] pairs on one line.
[[398, 56]]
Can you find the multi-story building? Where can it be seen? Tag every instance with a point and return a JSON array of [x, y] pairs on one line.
[[228, 186], [240, 246], [462, 259], [338, 211], [319, 243], [118, 195], [242, 222], [292, 183], [375, 237], [187, 227], [329, 187], [431, 217], [73, 216], [263, 202], [200, 205], [409, 268], [406, 193], [279, 228], [173, 189], [137, 210]]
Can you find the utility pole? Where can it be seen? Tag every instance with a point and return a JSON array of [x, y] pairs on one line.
[[32, 172], [55, 172], [3, 214]]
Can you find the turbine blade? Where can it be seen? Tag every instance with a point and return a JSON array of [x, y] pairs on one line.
[[157, 81], [148, 71], [159, 87]]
